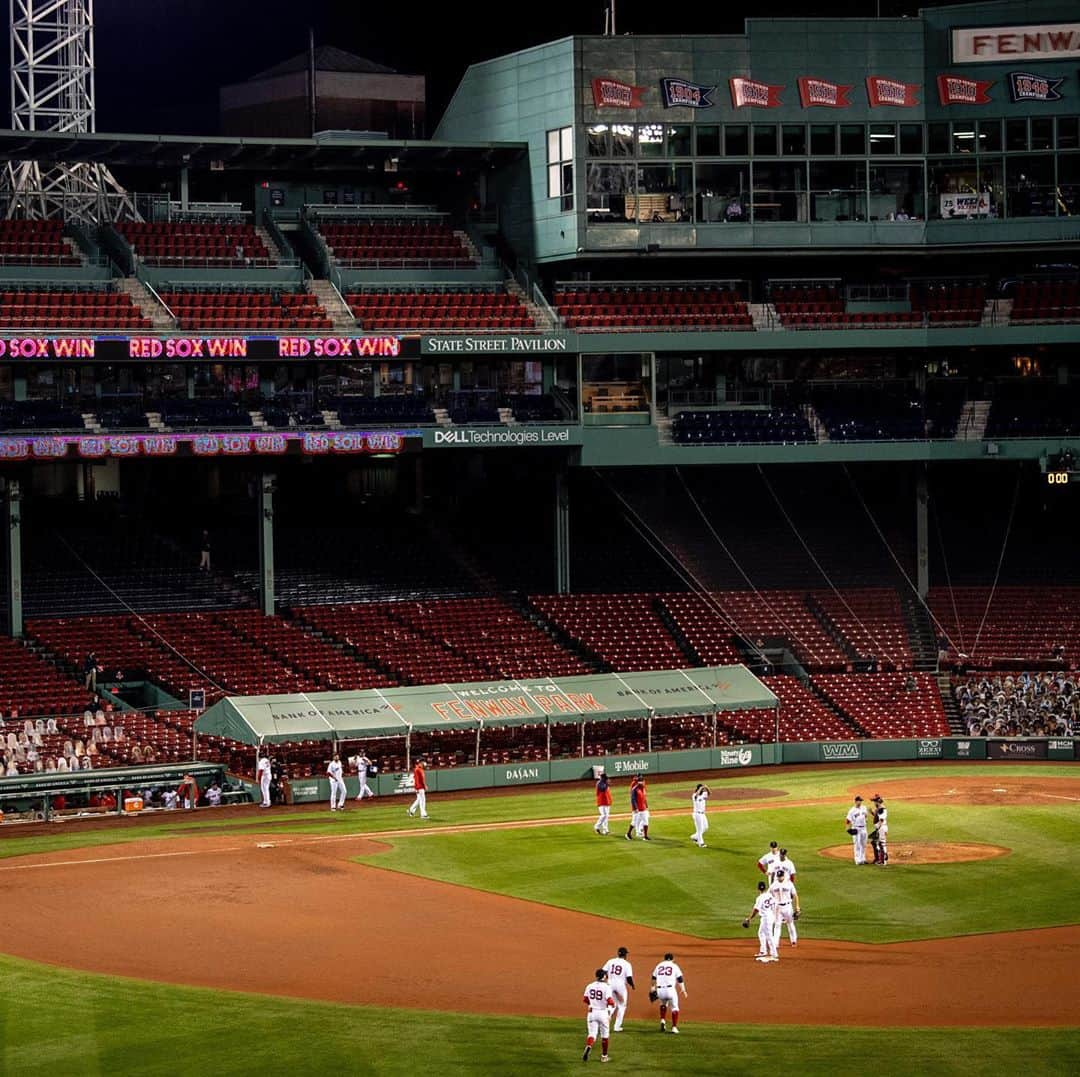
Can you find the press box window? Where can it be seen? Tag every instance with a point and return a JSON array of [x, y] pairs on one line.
[[560, 165]]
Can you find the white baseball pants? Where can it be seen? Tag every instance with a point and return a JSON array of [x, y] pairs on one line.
[[640, 820], [601, 826], [701, 824], [598, 1023], [621, 999], [858, 841], [264, 786], [365, 789], [420, 802], [337, 794], [766, 942], [784, 914], [669, 996]]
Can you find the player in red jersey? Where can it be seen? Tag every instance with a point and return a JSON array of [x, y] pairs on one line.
[[603, 804]]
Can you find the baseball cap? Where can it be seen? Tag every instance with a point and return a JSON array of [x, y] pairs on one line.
[[876, 798], [858, 798]]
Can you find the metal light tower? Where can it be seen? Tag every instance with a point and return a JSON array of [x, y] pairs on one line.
[[52, 89]]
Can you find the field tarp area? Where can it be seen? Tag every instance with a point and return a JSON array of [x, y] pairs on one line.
[[394, 712]]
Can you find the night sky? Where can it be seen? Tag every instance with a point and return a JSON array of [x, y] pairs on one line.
[[160, 62]]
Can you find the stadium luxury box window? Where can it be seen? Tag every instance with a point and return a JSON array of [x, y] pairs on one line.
[[560, 167]]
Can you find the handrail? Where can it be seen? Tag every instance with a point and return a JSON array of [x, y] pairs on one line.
[[372, 212], [341, 299], [168, 310]]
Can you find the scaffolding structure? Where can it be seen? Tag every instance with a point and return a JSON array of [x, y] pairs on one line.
[[52, 89]]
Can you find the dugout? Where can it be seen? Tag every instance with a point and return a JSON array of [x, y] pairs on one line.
[[558, 706]]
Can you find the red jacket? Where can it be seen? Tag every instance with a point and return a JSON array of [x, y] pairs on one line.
[[419, 781]]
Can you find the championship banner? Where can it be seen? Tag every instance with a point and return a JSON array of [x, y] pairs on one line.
[[955, 90], [676, 93], [610, 93], [882, 92], [817, 93], [745, 93], [1023, 86]]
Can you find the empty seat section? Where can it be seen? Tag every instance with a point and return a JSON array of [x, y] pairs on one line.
[[220, 243], [437, 310], [888, 704], [700, 305], [1046, 301], [1021, 628], [246, 309], [69, 307], [626, 632], [803, 717], [410, 241], [36, 243]]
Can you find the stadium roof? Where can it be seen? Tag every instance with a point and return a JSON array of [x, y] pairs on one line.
[[256, 154], [327, 58], [395, 712]]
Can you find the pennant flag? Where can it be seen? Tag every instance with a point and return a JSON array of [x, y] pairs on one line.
[[817, 93], [745, 93], [883, 92]]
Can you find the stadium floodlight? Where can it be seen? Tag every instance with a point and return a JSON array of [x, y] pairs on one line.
[[52, 89]]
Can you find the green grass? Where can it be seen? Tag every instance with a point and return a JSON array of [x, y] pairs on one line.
[[55, 1023], [707, 892], [551, 802]]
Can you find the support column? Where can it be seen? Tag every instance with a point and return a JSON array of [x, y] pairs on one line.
[[267, 485], [922, 532], [184, 188], [13, 520], [562, 533]]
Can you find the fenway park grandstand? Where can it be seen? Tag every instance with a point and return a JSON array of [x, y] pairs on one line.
[[636, 375]]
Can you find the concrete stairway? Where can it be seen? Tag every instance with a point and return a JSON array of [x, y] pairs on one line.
[[540, 316], [997, 312], [764, 316], [971, 425], [147, 304], [341, 317], [471, 248], [820, 430], [952, 708], [270, 245]]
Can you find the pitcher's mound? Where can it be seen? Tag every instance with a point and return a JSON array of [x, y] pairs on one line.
[[927, 852]]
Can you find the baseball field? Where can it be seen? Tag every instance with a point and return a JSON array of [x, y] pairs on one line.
[[291, 941]]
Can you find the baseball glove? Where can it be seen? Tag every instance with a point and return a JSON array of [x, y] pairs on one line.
[[852, 831], [796, 914], [653, 996], [746, 923]]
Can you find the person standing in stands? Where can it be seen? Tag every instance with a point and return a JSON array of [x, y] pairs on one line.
[[90, 671], [420, 785]]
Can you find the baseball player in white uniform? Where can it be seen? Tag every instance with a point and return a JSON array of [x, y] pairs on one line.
[[262, 772], [786, 908], [667, 981], [620, 978], [763, 909], [881, 825], [784, 862], [363, 765], [855, 823], [767, 864], [337, 784], [700, 798], [597, 998]]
